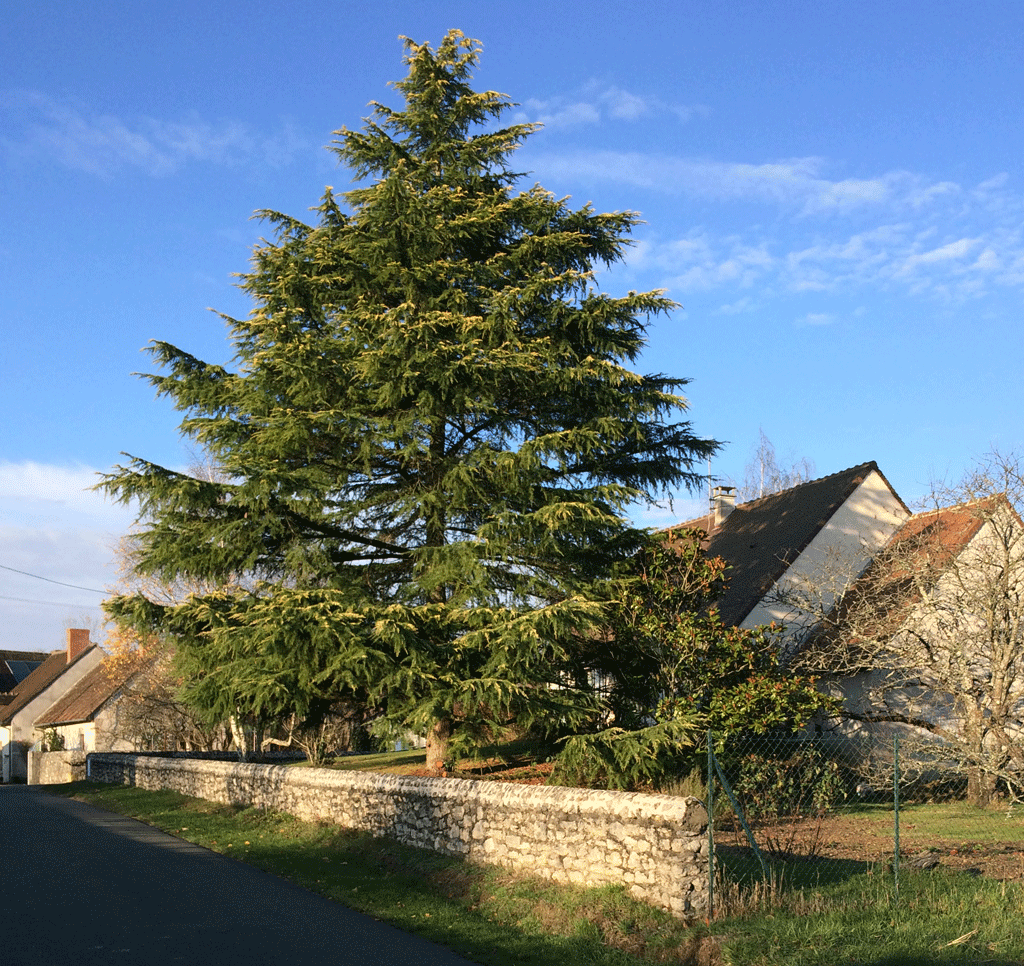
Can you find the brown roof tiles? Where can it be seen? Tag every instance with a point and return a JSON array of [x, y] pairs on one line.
[[40, 679], [86, 698]]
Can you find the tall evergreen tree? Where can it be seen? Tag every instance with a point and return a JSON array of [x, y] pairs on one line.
[[428, 446]]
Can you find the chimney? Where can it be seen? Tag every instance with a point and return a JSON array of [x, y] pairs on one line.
[[723, 502], [78, 641]]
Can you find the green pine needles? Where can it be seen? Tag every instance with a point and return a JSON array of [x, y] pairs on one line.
[[429, 445]]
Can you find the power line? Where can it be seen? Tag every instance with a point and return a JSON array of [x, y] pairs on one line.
[[92, 590], [52, 603]]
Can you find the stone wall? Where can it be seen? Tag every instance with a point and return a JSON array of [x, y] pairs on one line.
[[655, 845], [55, 767]]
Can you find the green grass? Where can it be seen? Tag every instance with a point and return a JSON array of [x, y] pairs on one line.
[[393, 762], [942, 918], [493, 917], [957, 822]]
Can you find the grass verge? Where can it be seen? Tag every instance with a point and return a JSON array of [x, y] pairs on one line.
[[493, 917]]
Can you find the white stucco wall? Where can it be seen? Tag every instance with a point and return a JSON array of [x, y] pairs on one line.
[[836, 556], [77, 737], [100, 734]]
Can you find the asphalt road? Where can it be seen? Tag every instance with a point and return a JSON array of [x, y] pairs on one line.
[[82, 886]]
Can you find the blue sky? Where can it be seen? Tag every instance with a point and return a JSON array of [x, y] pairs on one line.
[[833, 192]]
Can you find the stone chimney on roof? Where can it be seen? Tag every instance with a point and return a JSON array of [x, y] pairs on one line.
[[78, 642], [723, 502]]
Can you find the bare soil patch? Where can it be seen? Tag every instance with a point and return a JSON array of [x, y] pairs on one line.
[[856, 838]]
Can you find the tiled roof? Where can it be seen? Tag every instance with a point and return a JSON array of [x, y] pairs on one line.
[[921, 550], [86, 698], [24, 655], [759, 540], [15, 666], [40, 679], [948, 530]]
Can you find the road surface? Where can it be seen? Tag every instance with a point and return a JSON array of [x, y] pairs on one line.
[[81, 886]]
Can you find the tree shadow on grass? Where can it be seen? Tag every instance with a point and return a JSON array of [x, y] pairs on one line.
[[741, 865]]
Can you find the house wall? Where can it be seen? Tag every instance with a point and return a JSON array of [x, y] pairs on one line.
[[836, 556], [106, 735], [20, 735], [100, 734], [6, 750], [77, 737], [655, 845], [956, 650]]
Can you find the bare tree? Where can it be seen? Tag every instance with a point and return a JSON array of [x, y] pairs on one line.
[[764, 475], [151, 711], [927, 642], [338, 728]]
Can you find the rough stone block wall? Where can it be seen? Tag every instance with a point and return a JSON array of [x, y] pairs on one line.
[[655, 845], [55, 767]]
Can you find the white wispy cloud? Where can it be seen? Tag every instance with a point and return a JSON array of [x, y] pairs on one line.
[[33, 492], [739, 307], [103, 144], [595, 103], [812, 232], [702, 262], [816, 319], [56, 531], [807, 234], [798, 184]]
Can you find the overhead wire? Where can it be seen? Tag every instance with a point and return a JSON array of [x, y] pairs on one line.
[[53, 603], [49, 580]]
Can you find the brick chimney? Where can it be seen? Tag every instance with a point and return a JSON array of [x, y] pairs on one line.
[[723, 502], [78, 641]]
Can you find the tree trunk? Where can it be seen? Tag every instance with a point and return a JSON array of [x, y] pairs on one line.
[[981, 786], [980, 783], [438, 740], [245, 739]]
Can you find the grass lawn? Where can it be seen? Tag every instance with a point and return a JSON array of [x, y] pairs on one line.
[[391, 762], [517, 759], [493, 917]]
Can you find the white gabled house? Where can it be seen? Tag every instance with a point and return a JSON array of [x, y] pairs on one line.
[[88, 717], [820, 534], [915, 622]]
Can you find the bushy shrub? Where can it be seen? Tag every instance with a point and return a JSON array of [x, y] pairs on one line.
[[796, 780], [52, 740]]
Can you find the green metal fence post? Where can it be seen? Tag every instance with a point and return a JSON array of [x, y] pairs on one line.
[[738, 810], [896, 819], [711, 829]]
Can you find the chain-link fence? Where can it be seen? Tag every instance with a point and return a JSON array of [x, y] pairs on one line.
[[826, 812]]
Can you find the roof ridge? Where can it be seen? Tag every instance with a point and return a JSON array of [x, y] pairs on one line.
[[100, 675], [39, 680], [966, 505], [868, 464]]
